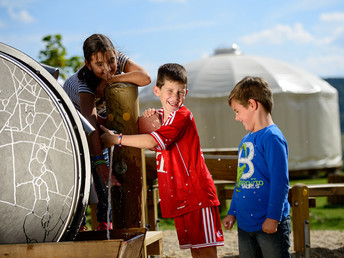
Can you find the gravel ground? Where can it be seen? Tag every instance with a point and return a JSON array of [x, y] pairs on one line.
[[324, 243]]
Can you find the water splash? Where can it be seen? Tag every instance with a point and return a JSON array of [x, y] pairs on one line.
[[109, 194]]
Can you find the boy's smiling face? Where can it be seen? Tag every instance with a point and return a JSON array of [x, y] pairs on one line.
[[244, 115], [172, 95]]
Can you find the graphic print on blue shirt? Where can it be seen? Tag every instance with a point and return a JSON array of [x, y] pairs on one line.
[[244, 176]]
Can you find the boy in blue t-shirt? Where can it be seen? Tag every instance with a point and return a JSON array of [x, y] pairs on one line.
[[260, 199]]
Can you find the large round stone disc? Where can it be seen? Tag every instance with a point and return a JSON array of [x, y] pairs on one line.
[[44, 164]]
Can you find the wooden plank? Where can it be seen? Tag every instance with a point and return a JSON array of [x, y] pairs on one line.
[[133, 248], [153, 236], [154, 242], [326, 190], [125, 234], [109, 248], [220, 151], [222, 167]]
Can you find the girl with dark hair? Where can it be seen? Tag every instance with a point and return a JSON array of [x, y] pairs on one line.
[[103, 66]]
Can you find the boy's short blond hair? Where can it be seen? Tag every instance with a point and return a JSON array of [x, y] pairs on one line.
[[251, 87]]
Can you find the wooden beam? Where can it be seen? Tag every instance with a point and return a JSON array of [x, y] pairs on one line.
[[107, 248], [326, 190]]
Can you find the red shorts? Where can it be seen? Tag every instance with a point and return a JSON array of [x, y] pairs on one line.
[[200, 228]]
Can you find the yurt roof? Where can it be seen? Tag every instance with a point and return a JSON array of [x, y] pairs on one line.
[[217, 75]]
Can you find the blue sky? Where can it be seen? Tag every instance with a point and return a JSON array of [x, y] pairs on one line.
[[306, 33]]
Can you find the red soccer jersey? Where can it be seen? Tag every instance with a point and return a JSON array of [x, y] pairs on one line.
[[185, 183]]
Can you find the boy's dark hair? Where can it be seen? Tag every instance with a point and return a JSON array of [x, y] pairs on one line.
[[92, 45], [251, 87], [171, 72]]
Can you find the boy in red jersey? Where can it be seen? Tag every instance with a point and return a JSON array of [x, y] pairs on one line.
[[186, 188]]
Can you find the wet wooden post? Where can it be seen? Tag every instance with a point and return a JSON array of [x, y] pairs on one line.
[[300, 212], [128, 201]]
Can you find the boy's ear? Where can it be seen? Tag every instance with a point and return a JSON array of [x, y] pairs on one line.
[[186, 92], [253, 104], [156, 91]]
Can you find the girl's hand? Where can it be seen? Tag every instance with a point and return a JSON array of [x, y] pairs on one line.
[[229, 221], [108, 137], [149, 112]]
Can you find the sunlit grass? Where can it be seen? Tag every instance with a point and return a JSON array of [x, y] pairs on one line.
[[326, 216]]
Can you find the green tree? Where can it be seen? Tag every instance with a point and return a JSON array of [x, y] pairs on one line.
[[55, 55]]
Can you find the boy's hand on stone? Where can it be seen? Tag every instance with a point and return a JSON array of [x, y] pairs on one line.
[[270, 226], [149, 112]]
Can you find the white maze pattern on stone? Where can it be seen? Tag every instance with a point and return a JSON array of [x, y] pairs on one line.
[[37, 168]]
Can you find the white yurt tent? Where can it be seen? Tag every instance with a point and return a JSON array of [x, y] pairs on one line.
[[306, 107]]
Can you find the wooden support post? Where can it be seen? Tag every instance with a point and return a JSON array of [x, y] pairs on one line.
[[300, 211], [94, 222], [152, 203], [332, 179], [152, 193], [128, 201]]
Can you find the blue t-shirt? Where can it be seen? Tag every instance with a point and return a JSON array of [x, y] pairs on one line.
[[262, 186]]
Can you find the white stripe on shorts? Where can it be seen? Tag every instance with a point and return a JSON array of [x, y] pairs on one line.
[[208, 225]]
